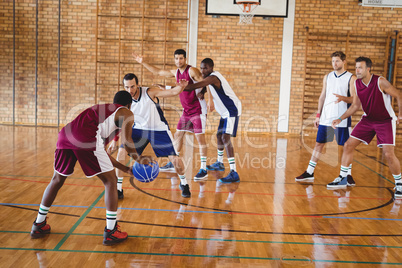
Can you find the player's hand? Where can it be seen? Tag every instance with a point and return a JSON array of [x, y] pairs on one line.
[[112, 147], [130, 171], [340, 98], [137, 57], [145, 160], [316, 122], [398, 119], [335, 123], [210, 106], [182, 83], [200, 95]]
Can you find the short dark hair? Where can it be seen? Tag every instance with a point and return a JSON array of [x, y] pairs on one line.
[[368, 62], [122, 97], [208, 61], [339, 54], [130, 76], [180, 52]]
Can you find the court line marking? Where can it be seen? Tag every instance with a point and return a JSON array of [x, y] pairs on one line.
[[225, 240], [83, 216], [200, 256]]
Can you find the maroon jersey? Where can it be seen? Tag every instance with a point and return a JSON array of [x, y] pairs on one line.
[[90, 129], [375, 103], [189, 101]]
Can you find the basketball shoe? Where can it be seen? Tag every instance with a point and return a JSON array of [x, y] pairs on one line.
[[351, 181], [39, 229], [217, 166], [338, 183], [111, 237], [305, 177], [398, 191], [168, 167], [185, 190], [202, 174], [120, 194], [231, 177]]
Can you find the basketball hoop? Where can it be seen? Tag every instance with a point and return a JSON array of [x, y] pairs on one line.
[[246, 11]]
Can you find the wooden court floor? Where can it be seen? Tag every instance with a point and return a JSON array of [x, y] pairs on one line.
[[266, 220]]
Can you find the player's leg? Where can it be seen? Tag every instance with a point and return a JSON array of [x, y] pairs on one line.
[[230, 130], [199, 123], [342, 135], [386, 132], [64, 163], [178, 144], [324, 134], [347, 157], [112, 233], [162, 144], [121, 157], [218, 165]]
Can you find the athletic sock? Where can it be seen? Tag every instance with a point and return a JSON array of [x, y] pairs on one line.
[[111, 217], [397, 178], [220, 156], [311, 167], [119, 183], [344, 171], [350, 170], [232, 163], [42, 213], [183, 179], [203, 162]]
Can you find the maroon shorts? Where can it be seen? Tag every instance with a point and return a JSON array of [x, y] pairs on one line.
[[92, 162], [192, 123], [365, 131]]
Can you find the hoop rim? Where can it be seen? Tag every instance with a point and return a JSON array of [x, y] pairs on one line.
[[246, 3]]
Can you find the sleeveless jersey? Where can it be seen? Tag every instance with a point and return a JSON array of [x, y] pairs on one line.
[[225, 100], [189, 100], [375, 103], [91, 129], [148, 115], [338, 84]]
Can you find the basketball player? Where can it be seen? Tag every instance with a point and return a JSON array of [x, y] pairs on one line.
[[229, 108], [334, 100], [151, 127], [373, 94], [83, 139], [194, 115]]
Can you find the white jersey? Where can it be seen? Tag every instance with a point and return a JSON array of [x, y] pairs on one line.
[[148, 115], [225, 100], [338, 84]]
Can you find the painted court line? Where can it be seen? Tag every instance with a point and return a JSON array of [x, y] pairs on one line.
[[201, 256]]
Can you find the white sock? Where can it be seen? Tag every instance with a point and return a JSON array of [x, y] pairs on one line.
[[397, 178], [183, 179], [344, 171], [311, 167], [203, 162], [111, 217], [350, 170], [220, 156], [42, 213], [119, 183], [232, 163]]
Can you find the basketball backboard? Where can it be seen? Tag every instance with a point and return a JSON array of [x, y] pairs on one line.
[[266, 8]]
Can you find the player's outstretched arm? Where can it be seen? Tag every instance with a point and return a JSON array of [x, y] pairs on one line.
[[160, 93], [153, 69], [395, 93], [356, 104], [346, 98], [210, 80]]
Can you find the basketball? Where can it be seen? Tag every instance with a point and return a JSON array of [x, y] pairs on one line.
[[146, 173]]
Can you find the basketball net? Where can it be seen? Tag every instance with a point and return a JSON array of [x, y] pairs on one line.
[[246, 12]]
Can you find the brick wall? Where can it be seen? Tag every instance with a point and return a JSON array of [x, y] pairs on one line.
[[248, 56]]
